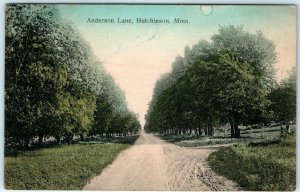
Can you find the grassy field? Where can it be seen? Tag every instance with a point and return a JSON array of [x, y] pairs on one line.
[[265, 134], [64, 167], [264, 166]]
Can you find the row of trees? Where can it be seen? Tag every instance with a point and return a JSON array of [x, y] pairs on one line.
[[228, 80], [53, 84]]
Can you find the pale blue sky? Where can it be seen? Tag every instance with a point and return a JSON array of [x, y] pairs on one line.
[[137, 54]]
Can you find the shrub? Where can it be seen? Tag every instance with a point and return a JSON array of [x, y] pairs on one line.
[[254, 167]]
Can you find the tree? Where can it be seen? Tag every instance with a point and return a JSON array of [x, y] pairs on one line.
[[225, 80], [32, 75], [217, 90], [256, 49], [283, 98], [53, 84]]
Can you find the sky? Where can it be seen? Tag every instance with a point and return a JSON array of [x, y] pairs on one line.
[[136, 55]]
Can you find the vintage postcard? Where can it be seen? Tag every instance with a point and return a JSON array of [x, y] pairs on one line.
[[150, 97]]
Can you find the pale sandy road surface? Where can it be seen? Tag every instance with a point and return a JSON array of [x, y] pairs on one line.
[[154, 165]]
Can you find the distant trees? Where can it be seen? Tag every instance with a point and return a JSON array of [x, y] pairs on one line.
[[283, 98], [53, 84], [225, 81]]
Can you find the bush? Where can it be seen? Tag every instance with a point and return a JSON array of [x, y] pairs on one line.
[[254, 167]]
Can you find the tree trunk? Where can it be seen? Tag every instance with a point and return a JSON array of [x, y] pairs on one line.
[[199, 131], [81, 137], [288, 130], [68, 140], [232, 125], [235, 132], [205, 130], [26, 142], [41, 136], [210, 129], [58, 140]]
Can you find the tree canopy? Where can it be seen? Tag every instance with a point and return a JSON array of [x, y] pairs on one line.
[[227, 80], [54, 86]]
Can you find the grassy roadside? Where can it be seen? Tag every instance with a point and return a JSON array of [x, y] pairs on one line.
[[266, 134], [66, 167], [265, 166]]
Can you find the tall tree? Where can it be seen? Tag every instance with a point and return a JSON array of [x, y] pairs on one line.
[[215, 80], [283, 98], [256, 49], [54, 86]]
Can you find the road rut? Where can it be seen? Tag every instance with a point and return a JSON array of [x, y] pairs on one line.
[[155, 165]]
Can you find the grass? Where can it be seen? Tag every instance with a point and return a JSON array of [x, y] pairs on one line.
[[266, 134], [266, 166], [61, 168]]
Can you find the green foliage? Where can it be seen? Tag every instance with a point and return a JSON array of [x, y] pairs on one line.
[[31, 74], [259, 167], [76, 110], [283, 98], [225, 81], [213, 91], [53, 84], [256, 49], [60, 168]]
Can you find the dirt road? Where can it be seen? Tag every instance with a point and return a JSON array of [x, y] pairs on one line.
[[152, 164]]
